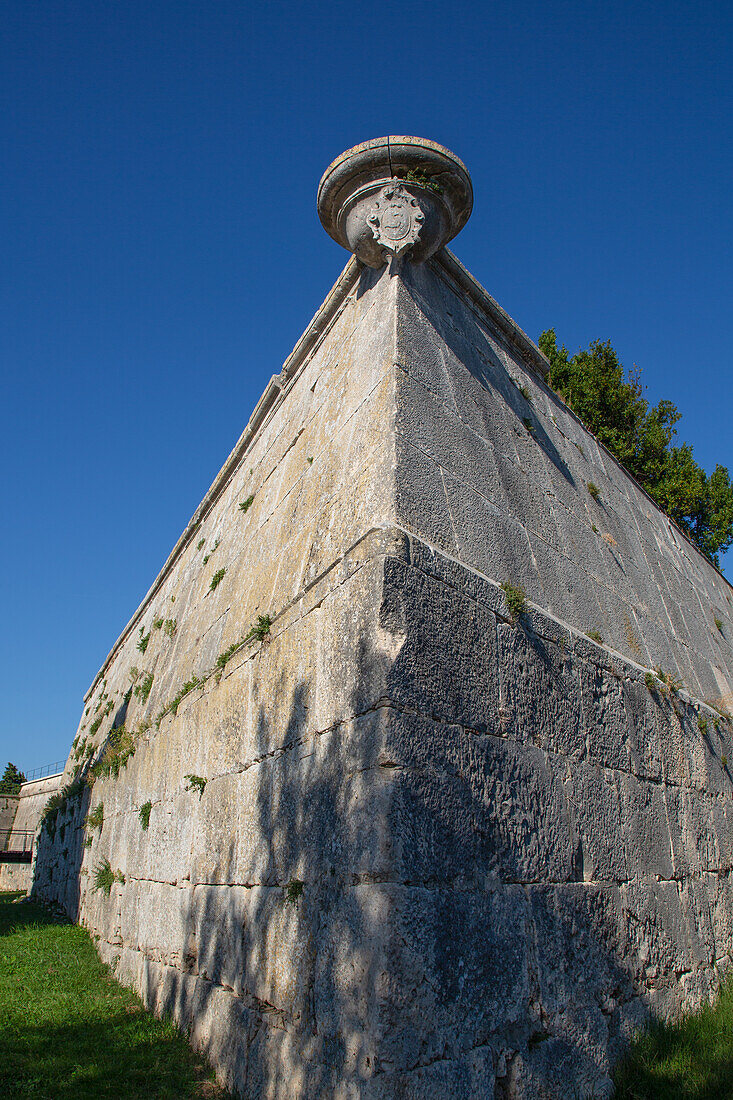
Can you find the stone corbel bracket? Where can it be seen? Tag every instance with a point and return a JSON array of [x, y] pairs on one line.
[[394, 197]]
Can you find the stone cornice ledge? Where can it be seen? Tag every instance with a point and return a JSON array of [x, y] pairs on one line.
[[481, 298]]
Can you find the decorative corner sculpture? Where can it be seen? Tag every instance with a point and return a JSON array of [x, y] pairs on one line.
[[394, 198]]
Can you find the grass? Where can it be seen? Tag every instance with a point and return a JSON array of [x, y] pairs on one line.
[[593, 489], [70, 1031], [690, 1060]]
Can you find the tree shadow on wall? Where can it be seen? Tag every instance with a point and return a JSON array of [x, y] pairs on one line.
[[388, 904]]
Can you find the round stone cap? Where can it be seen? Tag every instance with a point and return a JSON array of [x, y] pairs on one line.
[[393, 196]]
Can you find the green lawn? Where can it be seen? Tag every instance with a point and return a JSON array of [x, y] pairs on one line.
[[69, 1031], [691, 1060]]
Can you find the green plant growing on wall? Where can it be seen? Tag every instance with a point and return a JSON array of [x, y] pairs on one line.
[[247, 504], [595, 636], [143, 640], [189, 686], [261, 628], [415, 176], [158, 623], [671, 683], [95, 818], [216, 545], [724, 760], [200, 543], [217, 579], [702, 725], [294, 891], [516, 599], [719, 623], [104, 877], [143, 688], [118, 750], [528, 425], [593, 489], [195, 783], [259, 631], [170, 626], [144, 814], [50, 813], [310, 460], [651, 681]]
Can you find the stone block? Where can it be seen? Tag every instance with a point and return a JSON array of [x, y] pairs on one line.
[[540, 692], [644, 828]]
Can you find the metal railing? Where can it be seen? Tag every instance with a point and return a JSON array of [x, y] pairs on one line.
[[47, 769], [16, 845]]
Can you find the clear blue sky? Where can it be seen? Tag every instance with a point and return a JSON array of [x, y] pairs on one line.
[[161, 252]]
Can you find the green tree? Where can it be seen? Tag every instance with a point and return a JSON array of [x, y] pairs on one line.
[[12, 780], [611, 403]]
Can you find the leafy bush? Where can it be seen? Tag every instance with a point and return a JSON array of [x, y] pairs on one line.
[[12, 779], [611, 404]]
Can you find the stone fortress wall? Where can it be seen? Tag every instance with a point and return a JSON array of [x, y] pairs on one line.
[[20, 815], [440, 850]]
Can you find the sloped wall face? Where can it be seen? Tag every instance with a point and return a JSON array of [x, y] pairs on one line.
[[562, 846], [228, 905], [500, 481], [565, 812]]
